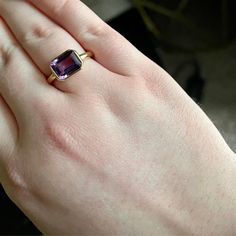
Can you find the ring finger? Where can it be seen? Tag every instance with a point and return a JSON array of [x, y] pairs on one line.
[[44, 40]]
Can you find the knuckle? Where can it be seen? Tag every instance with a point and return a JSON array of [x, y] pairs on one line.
[[59, 6], [57, 130], [14, 176], [16, 185], [36, 33], [10, 68], [60, 136], [6, 55], [95, 31]]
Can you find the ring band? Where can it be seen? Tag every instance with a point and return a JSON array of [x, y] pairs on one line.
[[67, 64]]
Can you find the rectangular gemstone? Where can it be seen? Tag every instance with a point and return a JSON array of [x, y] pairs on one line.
[[66, 64]]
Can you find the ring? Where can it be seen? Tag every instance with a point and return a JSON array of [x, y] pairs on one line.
[[67, 64]]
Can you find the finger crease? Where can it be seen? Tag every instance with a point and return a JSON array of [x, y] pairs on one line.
[[37, 32], [6, 55]]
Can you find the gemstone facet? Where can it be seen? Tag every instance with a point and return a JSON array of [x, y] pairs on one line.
[[66, 64]]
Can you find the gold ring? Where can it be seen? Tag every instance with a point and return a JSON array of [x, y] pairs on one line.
[[67, 64]]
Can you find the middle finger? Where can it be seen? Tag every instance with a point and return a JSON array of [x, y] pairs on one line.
[[44, 40]]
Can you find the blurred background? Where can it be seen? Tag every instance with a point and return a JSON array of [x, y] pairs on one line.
[[195, 41]]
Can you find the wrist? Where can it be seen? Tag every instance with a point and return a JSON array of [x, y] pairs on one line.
[[199, 204], [210, 207]]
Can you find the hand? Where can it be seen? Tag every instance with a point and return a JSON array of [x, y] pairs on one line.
[[119, 148]]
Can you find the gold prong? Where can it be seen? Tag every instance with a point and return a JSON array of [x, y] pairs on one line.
[[52, 78], [83, 56]]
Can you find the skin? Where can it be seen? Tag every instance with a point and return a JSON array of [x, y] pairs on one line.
[[118, 149]]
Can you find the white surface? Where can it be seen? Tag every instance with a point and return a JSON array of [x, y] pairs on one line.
[[108, 9]]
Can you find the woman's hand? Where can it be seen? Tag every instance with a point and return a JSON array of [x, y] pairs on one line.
[[118, 149]]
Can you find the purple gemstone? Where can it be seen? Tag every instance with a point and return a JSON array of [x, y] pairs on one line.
[[66, 64]]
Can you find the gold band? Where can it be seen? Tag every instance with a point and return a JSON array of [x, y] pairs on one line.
[[85, 55], [51, 78], [82, 57]]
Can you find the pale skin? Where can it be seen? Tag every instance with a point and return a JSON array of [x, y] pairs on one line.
[[119, 148]]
